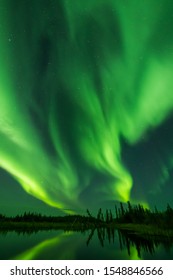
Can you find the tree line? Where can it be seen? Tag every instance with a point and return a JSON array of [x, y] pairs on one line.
[[125, 213]]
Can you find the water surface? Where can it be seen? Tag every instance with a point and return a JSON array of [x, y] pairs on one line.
[[91, 244]]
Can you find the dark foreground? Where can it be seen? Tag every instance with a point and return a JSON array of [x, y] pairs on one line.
[[130, 219]]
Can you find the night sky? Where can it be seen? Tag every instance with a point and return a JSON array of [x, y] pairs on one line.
[[86, 104]]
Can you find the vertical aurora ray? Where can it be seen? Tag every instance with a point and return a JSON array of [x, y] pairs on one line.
[[75, 79]]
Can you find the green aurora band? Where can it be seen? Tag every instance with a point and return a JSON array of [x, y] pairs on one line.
[[77, 77]]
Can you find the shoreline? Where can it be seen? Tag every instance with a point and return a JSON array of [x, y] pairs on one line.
[[141, 230]]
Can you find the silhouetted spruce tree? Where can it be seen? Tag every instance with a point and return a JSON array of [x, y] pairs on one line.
[[168, 217], [129, 207], [102, 217], [99, 214], [122, 210], [156, 210], [116, 213], [107, 216], [89, 214], [110, 216]]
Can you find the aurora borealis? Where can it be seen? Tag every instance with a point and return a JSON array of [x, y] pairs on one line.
[[86, 100]]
